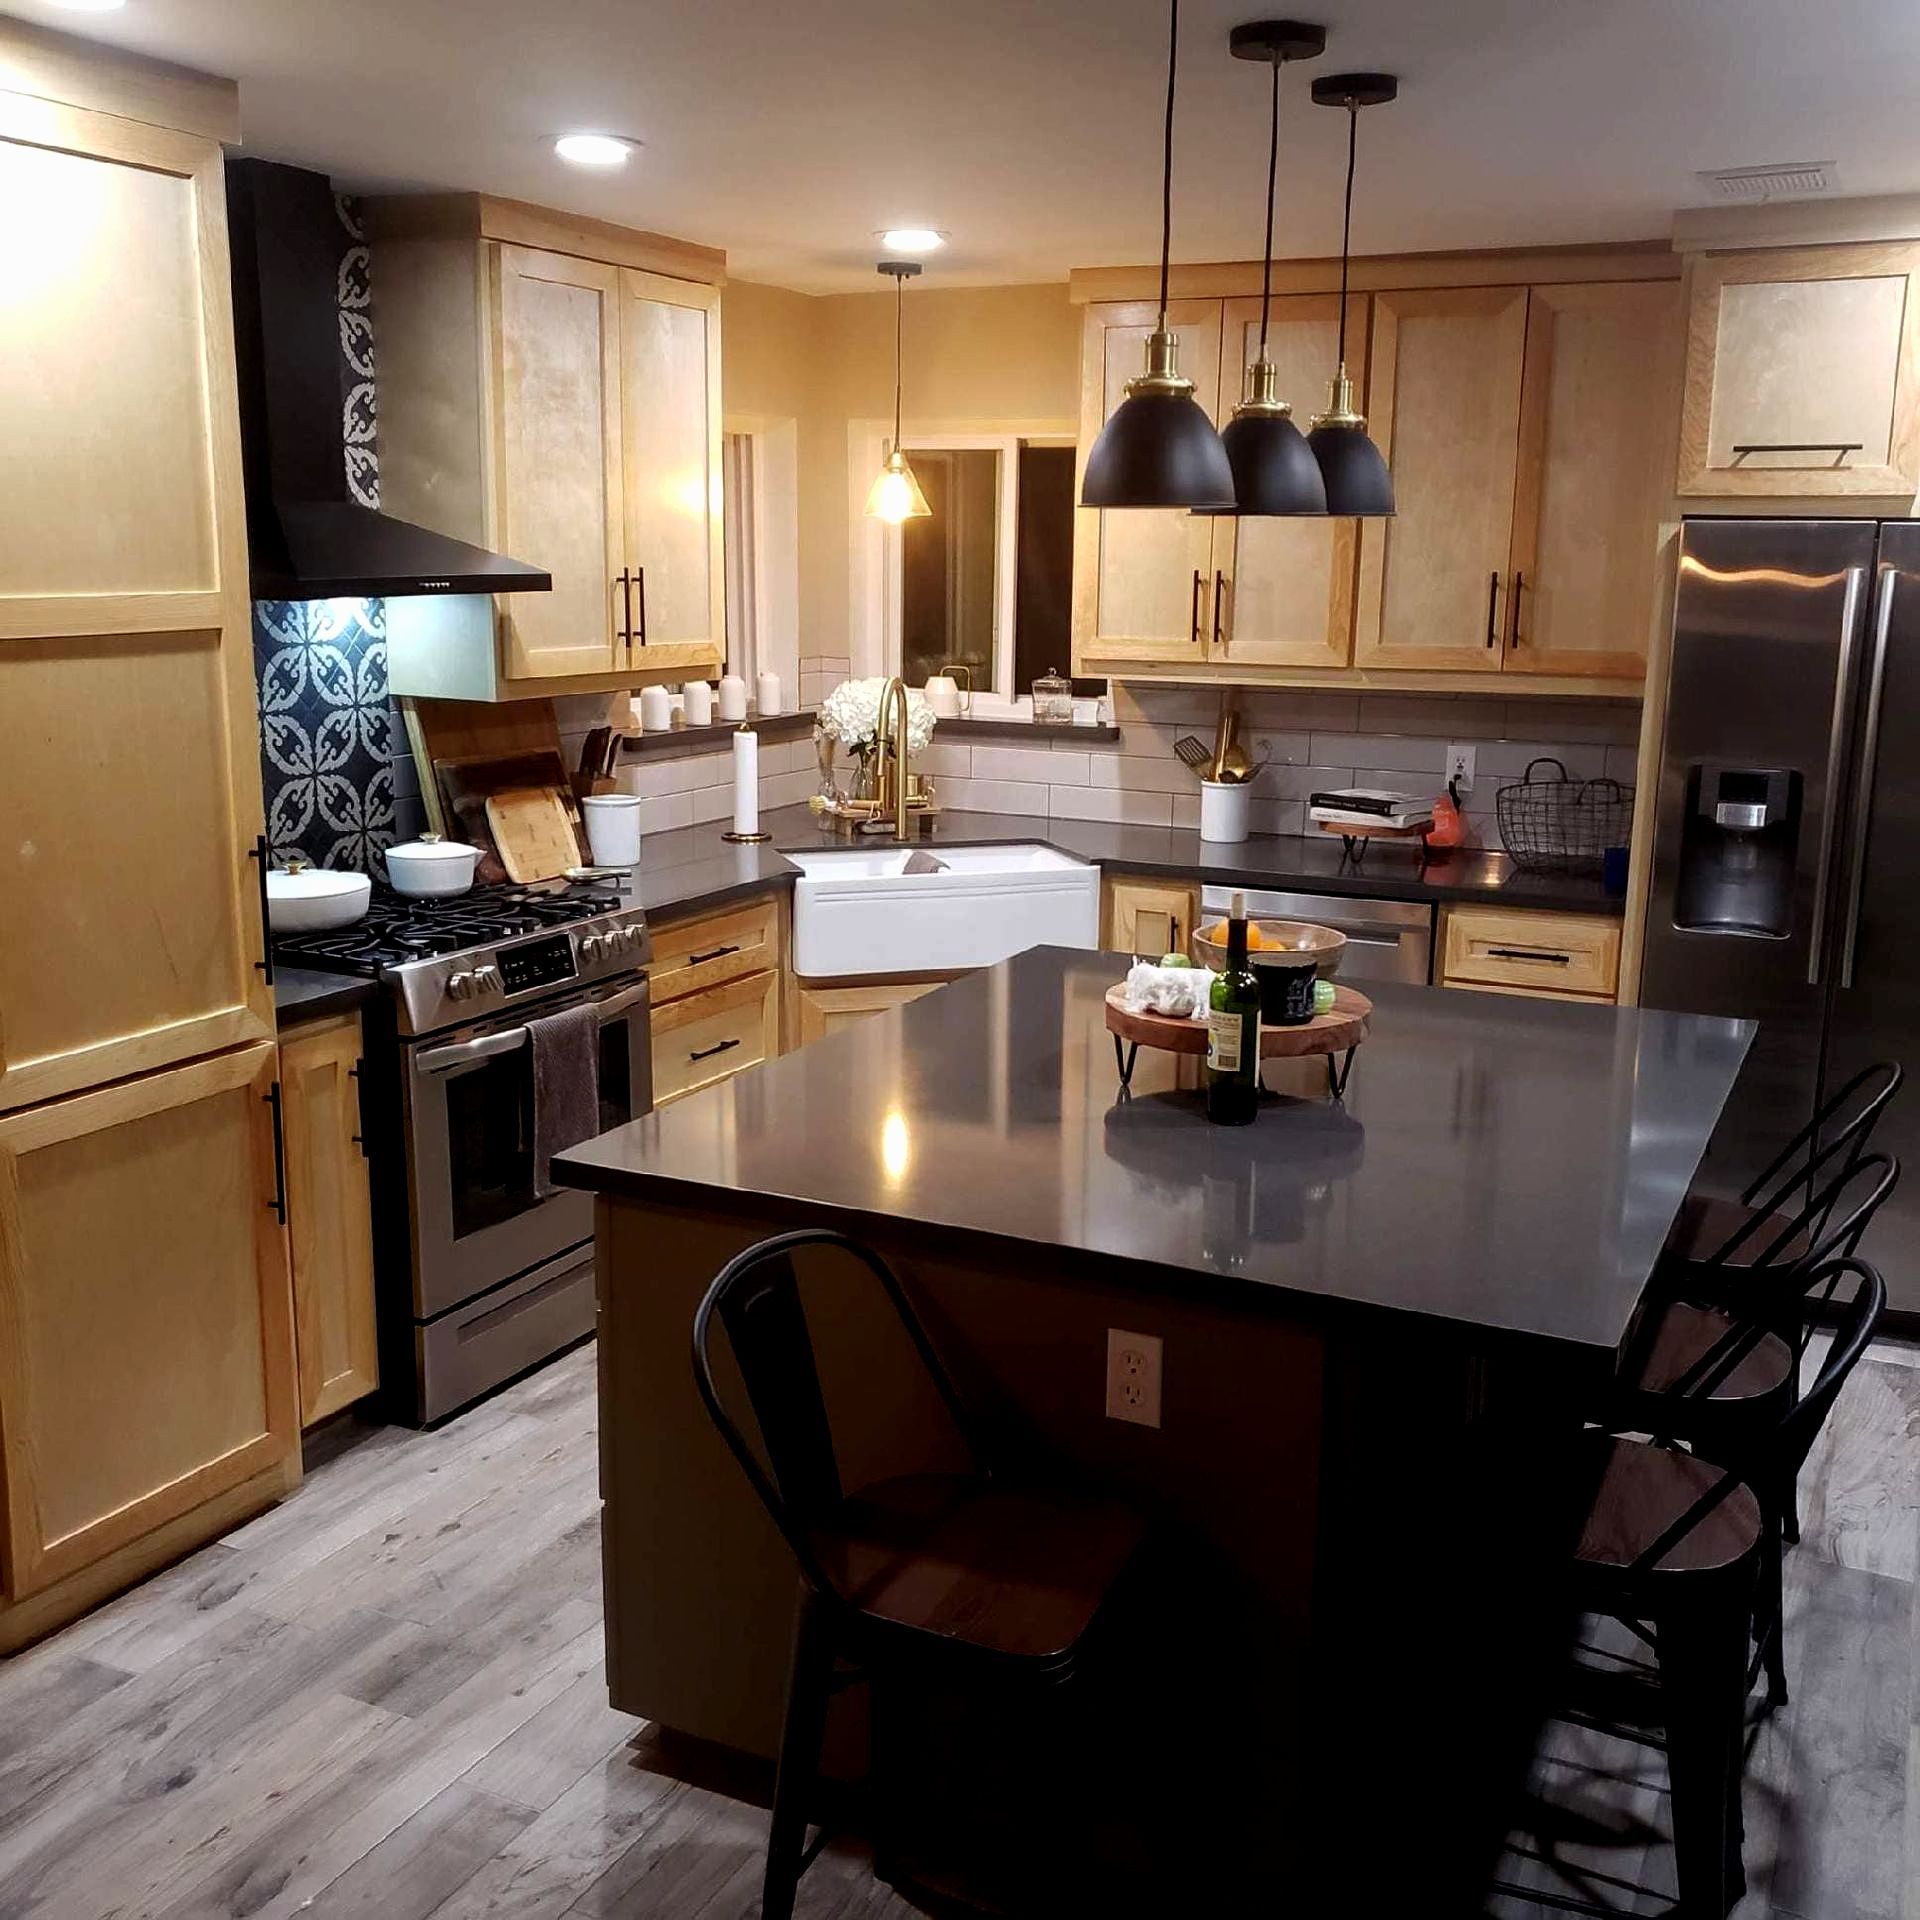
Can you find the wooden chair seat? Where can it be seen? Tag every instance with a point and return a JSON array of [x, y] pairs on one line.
[[1015, 1572], [1682, 1334], [1706, 1223], [1642, 1490]]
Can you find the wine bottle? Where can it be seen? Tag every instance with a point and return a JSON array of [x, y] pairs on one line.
[[1233, 1031]]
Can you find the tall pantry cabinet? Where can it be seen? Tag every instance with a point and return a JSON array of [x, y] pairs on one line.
[[146, 1359]]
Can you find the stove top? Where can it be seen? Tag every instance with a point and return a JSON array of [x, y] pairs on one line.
[[449, 961]]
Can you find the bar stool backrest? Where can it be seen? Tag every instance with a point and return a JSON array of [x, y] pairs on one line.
[[1838, 1134]]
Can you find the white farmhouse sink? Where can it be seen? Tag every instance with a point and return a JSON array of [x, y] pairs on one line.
[[860, 912]]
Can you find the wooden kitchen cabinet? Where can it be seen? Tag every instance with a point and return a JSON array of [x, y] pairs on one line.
[[1801, 373], [1556, 956], [1149, 917], [129, 738], [1443, 406], [329, 1216], [146, 1332], [714, 1034], [550, 387], [825, 1010]]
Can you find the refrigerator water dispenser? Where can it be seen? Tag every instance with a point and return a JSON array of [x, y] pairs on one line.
[[1739, 845]]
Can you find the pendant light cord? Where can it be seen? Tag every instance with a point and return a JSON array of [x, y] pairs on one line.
[[899, 334], [1166, 158], [1273, 167], [1346, 221]]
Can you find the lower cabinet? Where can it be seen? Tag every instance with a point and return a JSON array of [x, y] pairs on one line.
[[147, 1385], [824, 1010], [1149, 917], [329, 1216], [704, 1037], [1552, 956]]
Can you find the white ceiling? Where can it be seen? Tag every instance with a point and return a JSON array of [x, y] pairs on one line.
[[786, 133]]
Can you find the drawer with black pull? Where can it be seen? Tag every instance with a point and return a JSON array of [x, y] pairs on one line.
[[703, 1037], [692, 955], [1575, 955]]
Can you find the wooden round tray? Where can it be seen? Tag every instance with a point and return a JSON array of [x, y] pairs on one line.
[[1336, 1032]]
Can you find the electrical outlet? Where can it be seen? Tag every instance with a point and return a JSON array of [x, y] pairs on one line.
[[1460, 765], [1133, 1377]]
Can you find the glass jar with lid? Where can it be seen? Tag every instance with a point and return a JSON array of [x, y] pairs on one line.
[[1053, 700]]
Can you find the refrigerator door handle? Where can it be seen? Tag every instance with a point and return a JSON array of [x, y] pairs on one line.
[[1863, 784], [1836, 747]]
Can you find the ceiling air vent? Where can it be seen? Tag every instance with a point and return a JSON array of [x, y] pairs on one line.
[[1787, 180]]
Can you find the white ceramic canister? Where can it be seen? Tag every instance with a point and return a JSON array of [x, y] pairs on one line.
[[770, 694], [613, 828], [699, 703], [656, 710], [733, 698], [943, 696], [1225, 808]]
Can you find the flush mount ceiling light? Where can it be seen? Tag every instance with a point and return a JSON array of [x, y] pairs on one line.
[[90, 6], [1274, 471], [594, 149], [896, 495], [1356, 476], [1159, 449], [912, 239]]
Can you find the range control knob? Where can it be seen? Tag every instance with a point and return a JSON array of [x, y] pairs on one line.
[[487, 979], [631, 937], [592, 946], [460, 986]]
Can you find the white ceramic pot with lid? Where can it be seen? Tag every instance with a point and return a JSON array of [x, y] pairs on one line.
[[304, 899], [430, 866]]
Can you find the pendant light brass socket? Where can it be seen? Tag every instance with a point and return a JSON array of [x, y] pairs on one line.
[[1262, 394], [1163, 373], [1341, 411]]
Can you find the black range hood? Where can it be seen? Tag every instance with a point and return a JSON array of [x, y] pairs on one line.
[[309, 539]]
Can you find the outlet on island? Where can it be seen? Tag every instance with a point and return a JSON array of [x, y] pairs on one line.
[[1133, 1377]]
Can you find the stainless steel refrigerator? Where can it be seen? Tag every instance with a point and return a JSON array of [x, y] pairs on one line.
[[1786, 871]]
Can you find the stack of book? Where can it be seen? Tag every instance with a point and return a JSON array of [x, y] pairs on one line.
[[1370, 807]]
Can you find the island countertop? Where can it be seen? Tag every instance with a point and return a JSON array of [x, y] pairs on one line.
[[1501, 1163]]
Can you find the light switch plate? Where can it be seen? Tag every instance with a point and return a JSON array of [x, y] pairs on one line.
[[1460, 765], [1133, 1377]]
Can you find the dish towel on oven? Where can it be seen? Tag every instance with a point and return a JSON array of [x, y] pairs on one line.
[[566, 1085]]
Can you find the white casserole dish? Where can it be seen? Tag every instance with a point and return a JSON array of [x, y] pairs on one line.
[[430, 866], [304, 899]]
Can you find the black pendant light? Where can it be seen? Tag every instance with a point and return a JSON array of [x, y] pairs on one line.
[[1274, 471], [1356, 476], [1160, 449]]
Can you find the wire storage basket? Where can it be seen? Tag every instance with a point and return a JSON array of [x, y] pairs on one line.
[[1561, 825]]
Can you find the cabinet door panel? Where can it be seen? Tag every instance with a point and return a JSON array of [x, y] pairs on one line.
[[329, 1217], [670, 385], [146, 1341], [1596, 427], [1289, 582], [1444, 407], [1142, 577], [557, 458], [1801, 372]]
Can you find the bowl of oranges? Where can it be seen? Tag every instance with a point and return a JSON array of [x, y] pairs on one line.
[[1287, 955]]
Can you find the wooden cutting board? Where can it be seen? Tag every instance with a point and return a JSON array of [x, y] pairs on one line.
[[463, 789], [532, 833]]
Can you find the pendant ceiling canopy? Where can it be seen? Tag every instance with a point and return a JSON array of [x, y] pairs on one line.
[[1159, 448]]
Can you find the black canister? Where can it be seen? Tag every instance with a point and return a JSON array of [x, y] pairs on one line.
[[1286, 988]]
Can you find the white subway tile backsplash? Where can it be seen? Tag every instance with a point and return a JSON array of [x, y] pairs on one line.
[[1186, 810], [1507, 759], [1143, 773], [994, 796], [788, 789], [1623, 764], [1111, 803], [662, 813], [1296, 783], [944, 760], [716, 803], [1280, 749], [1029, 763], [1378, 750]]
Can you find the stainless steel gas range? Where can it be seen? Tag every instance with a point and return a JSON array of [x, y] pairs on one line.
[[478, 1276]]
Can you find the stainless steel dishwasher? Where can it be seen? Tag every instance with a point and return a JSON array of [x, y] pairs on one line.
[[1386, 939]]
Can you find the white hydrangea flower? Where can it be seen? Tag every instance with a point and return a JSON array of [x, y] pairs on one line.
[[851, 715]]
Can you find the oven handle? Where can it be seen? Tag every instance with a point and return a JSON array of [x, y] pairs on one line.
[[485, 1046]]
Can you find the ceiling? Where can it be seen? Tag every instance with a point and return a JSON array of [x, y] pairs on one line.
[[1029, 129]]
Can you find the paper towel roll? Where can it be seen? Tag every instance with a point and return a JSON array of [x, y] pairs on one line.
[[769, 693], [733, 698], [746, 782], [699, 700]]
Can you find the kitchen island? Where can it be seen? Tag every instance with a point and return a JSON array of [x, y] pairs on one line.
[[1381, 1322]]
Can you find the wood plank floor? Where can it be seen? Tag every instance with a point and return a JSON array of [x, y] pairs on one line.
[[386, 1699]]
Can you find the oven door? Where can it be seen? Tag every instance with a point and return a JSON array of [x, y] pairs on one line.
[[469, 1095]]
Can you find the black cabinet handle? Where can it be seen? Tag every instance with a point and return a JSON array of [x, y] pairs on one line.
[[1841, 447], [279, 1201], [264, 965], [1199, 587], [640, 581], [1219, 606], [713, 953], [1513, 608], [360, 1106], [707, 1053], [624, 581], [1528, 953], [1493, 600]]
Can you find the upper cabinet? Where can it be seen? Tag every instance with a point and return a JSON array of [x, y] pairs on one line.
[[551, 388], [123, 597], [1800, 373], [1529, 429]]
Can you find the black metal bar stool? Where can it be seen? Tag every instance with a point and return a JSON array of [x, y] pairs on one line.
[[931, 1580]]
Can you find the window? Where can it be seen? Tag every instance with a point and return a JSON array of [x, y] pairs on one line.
[[949, 567]]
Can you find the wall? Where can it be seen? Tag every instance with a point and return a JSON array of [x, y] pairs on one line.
[[1311, 740]]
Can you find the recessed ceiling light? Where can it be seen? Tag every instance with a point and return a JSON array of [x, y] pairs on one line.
[[90, 6], [912, 239], [593, 149]]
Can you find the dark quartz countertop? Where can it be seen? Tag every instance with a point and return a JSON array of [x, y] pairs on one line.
[[301, 993], [1509, 1164], [693, 867]]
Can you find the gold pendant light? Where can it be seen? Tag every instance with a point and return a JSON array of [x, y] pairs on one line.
[[895, 494]]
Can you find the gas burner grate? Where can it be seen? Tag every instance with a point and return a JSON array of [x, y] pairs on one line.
[[399, 928]]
